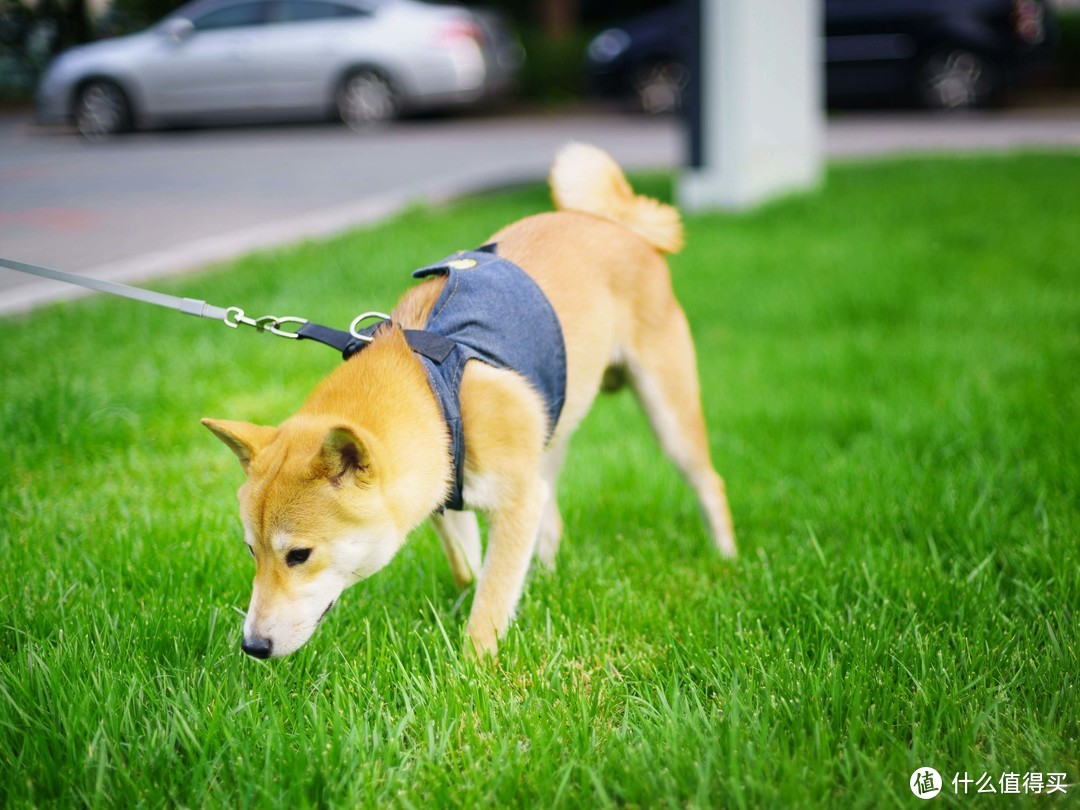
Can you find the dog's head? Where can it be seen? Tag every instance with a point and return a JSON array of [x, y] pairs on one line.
[[314, 520]]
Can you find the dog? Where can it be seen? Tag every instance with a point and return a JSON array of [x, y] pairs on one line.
[[333, 492]]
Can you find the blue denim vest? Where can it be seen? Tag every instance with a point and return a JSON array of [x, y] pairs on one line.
[[493, 312]]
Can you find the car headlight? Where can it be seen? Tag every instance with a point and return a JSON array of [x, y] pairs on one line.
[[608, 45]]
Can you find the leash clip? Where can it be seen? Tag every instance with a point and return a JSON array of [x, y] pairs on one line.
[[234, 316], [275, 327]]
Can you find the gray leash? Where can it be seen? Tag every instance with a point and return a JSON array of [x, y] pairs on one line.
[[190, 306], [432, 346], [229, 315]]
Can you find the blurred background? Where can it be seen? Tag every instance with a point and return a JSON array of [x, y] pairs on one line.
[[202, 60]]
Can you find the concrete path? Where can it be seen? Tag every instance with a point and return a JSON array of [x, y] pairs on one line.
[[162, 202]]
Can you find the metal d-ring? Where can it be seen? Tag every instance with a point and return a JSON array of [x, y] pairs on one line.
[[359, 319]]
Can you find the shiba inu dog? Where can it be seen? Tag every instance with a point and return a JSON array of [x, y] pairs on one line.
[[394, 436]]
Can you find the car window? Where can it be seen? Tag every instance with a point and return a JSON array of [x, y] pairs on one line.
[[232, 16], [300, 10]]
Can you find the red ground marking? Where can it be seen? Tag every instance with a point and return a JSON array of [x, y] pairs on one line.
[[53, 219], [22, 174]]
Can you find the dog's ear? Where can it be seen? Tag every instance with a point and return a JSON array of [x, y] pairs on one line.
[[243, 438], [344, 454]]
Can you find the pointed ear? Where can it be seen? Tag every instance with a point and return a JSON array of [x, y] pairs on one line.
[[243, 438], [344, 453]]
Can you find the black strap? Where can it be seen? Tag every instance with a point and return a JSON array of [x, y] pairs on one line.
[[324, 334], [434, 347]]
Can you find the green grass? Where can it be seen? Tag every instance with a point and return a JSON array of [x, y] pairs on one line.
[[891, 374]]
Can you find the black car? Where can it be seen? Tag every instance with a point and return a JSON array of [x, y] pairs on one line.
[[939, 53]]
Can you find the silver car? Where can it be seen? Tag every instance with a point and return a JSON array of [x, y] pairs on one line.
[[230, 60]]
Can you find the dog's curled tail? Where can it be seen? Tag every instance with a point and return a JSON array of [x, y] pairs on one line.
[[584, 178]]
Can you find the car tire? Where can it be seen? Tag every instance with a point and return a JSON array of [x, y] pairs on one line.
[[102, 109], [366, 100], [956, 78], [658, 86]]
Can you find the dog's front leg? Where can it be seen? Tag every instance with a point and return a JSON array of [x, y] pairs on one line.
[[504, 424], [510, 549]]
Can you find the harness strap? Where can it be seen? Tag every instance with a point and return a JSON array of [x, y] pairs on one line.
[[335, 338], [434, 347]]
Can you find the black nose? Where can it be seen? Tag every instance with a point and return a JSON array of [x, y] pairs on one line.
[[257, 647]]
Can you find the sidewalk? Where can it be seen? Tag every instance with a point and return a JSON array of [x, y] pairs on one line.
[[863, 135]]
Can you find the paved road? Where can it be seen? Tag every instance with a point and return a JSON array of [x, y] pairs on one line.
[[162, 202]]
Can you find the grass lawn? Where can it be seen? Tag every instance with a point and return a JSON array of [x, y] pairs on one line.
[[891, 374]]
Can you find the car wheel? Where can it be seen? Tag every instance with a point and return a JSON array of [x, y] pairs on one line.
[[956, 79], [366, 100], [102, 109], [659, 86]]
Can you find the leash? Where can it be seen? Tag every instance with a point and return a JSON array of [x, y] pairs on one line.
[[189, 306], [435, 347]]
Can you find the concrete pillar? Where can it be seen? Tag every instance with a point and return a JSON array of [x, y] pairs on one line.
[[761, 103]]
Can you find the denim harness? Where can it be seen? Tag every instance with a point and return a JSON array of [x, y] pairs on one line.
[[490, 310], [494, 312]]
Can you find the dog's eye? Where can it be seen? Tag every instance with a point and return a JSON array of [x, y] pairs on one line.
[[297, 556], [251, 551]]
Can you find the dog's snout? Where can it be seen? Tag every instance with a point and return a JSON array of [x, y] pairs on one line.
[[257, 647]]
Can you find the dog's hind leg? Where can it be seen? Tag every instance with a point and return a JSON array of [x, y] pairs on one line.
[[551, 525], [460, 536], [663, 373]]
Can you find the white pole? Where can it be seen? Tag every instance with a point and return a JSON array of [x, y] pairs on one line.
[[761, 102]]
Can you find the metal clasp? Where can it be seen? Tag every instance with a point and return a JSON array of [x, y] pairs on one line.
[[234, 316], [354, 327], [238, 318], [275, 327]]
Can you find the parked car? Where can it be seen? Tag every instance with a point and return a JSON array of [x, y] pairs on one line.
[[365, 61], [940, 53]]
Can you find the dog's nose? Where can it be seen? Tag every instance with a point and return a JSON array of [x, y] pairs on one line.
[[257, 647]]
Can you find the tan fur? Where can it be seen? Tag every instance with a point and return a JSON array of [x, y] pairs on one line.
[[366, 458]]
